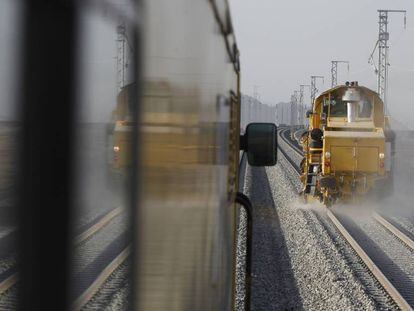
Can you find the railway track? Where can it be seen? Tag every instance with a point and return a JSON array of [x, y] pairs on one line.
[[282, 135], [88, 282], [285, 134], [397, 284]]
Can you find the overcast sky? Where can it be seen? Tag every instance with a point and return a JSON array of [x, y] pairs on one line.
[[283, 43]]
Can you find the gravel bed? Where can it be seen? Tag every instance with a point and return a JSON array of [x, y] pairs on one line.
[[300, 260], [7, 263], [323, 277], [88, 215], [291, 174], [8, 300], [87, 252], [115, 292], [378, 299], [405, 223], [391, 256], [288, 149], [370, 284], [241, 261]]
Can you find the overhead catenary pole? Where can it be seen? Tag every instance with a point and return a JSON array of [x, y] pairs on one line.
[[302, 105], [296, 107], [314, 89], [292, 117], [293, 112], [334, 71], [382, 44]]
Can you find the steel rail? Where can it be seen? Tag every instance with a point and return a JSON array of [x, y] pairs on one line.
[[288, 159], [379, 276], [87, 295], [12, 279], [394, 230], [294, 148], [297, 137], [98, 226], [8, 282]]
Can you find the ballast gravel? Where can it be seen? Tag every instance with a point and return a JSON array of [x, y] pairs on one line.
[[115, 292], [393, 258], [296, 263], [295, 156]]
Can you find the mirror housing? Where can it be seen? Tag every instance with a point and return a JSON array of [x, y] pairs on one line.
[[260, 144], [309, 113]]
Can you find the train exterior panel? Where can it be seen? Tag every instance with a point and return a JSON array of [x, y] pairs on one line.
[[189, 148], [347, 146]]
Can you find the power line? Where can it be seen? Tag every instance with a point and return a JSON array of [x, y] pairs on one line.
[[302, 104], [314, 89], [334, 71], [382, 45]]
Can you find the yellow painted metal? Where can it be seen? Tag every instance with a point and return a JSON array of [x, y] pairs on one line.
[[351, 150], [354, 152]]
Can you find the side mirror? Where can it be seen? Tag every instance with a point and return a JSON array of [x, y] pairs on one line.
[[309, 113], [260, 144]]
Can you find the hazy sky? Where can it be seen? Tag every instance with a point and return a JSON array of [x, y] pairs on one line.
[[283, 43]]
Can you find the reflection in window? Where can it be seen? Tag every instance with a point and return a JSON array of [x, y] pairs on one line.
[[365, 108], [104, 136], [338, 108], [10, 32]]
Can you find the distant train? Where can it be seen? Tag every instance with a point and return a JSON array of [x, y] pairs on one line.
[[348, 146]]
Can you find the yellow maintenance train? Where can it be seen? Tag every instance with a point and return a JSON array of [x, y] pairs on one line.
[[348, 146]]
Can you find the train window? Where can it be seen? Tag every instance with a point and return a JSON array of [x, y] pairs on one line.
[[338, 108], [105, 127], [365, 109], [10, 126]]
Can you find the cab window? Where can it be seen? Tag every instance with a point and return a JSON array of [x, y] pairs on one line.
[[338, 108], [365, 109]]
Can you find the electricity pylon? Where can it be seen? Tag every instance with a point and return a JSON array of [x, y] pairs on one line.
[[334, 71], [382, 44]]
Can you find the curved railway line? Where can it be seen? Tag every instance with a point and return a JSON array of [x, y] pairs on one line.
[[398, 285], [92, 283]]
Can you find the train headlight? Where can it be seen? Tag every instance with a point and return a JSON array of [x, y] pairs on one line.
[[116, 148], [327, 155], [381, 156]]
